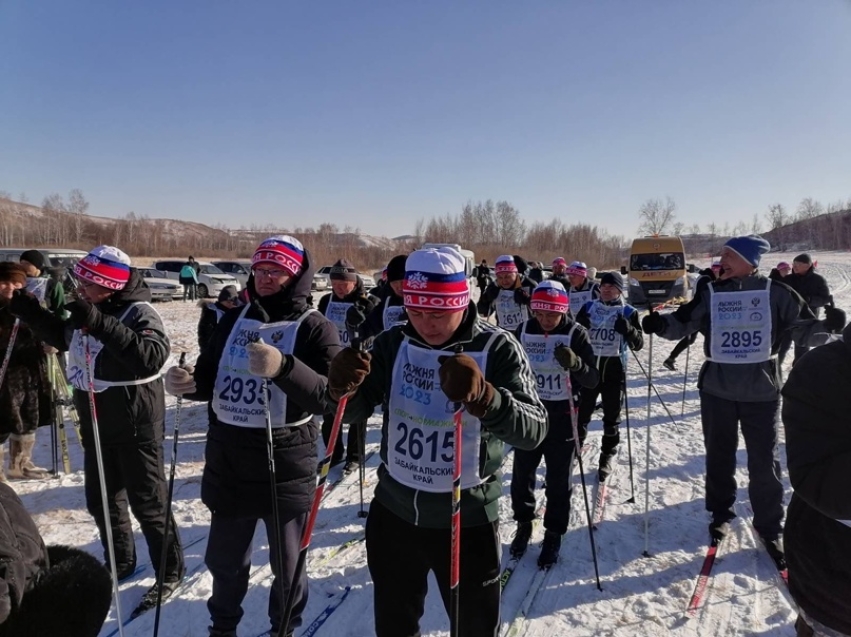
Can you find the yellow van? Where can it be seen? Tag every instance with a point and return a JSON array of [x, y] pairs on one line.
[[657, 270]]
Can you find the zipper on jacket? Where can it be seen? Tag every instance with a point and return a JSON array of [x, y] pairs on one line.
[[416, 509]]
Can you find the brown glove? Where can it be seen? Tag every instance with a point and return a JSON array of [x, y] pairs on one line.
[[348, 370], [463, 382]]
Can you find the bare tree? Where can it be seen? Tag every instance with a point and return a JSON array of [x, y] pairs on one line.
[[656, 216], [694, 229], [679, 228], [77, 206], [756, 226], [809, 208]]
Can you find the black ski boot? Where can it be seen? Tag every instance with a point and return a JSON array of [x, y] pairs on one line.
[[607, 461], [670, 363], [521, 539], [351, 466], [216, 632], [718, 529], [775, 550], [149, 599], [549, 549]]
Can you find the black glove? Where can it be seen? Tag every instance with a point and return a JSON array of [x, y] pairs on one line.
[[653, 323], [25, 306], [355, 316], [85, 316], [567, 358], [348, 370], [834, 319], [521, 296], [622, 325]]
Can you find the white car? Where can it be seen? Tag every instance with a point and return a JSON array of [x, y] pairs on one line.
[[211, 280], [325, 273], [162, 288]]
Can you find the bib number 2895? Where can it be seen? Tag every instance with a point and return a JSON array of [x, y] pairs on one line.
[[741, 339], [414, 443]]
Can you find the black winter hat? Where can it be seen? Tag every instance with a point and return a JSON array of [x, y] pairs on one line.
[[35, 257], [343, 270], [804, 258], [612, 278], [396, 268], [228, 293]]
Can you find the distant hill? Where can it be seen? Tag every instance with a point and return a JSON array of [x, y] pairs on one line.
[[23, 224]]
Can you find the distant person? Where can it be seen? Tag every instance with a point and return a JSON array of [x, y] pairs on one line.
[[188, 278], [707, 276], [509, 296], [784, 269], [813, 289], [582, 289], [211, 314], [818, 521], [536, 271], [559, 274], [483, 276], [41, 284]]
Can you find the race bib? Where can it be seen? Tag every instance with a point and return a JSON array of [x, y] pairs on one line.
[[238, 397], [391, 314], [549, 375], [421, 427], [741, 326], [509, 315], [605, 341], [37, 286], [336, 313], [578, 299]]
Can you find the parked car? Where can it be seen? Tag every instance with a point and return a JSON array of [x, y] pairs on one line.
[[162, 287], [319, 283], [240, 270], [325, 273], [211, 280]]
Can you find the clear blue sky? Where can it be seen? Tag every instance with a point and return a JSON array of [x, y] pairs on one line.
[[376, 113]]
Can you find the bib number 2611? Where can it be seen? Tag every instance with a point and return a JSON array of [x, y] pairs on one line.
[[414, 443]]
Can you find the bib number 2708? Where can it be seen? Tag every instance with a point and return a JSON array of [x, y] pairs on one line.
[[414, 443]]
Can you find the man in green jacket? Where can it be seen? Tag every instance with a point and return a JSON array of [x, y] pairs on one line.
[[445, 355]]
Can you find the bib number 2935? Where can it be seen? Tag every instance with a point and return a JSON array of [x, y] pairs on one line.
[[414, 443], [237, 390]]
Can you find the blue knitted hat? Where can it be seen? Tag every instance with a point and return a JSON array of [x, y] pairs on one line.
[[750, 248]]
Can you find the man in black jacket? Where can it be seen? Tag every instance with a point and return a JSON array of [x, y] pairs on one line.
[[275, 352], [390, 308], [114, 330], [558, 349], [347, 292], [813, 289], [818, 521], [612, 327]]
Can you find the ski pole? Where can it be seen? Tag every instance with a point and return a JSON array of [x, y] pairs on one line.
[[314, 509], [651, 385], [60, 412], [455, 524], [107, 524], [578, 451], [455, 560], [9, 346], [685, 380], [628, 434], [647, 450], [164, 551], [362, 467]]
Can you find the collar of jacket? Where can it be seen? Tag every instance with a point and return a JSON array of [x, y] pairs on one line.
[[464, 333]]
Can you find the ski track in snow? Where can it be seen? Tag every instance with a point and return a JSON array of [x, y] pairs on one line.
[[641, 595]]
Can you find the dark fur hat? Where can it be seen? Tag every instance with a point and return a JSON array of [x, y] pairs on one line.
[[71, 598], [14, 272]]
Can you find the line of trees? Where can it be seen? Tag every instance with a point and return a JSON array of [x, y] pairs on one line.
[[492, 228]]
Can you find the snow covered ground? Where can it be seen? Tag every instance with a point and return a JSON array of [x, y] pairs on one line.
[[641, 595]]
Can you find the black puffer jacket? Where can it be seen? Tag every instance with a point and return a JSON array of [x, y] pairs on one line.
[[236, 475], [25, 398], [134, 349], [816, 404], [812, 287], [22, 552]]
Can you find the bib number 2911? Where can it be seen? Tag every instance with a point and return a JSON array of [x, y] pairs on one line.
[[414, 443]]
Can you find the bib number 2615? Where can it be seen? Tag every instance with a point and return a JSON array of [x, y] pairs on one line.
[[414, 443]]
